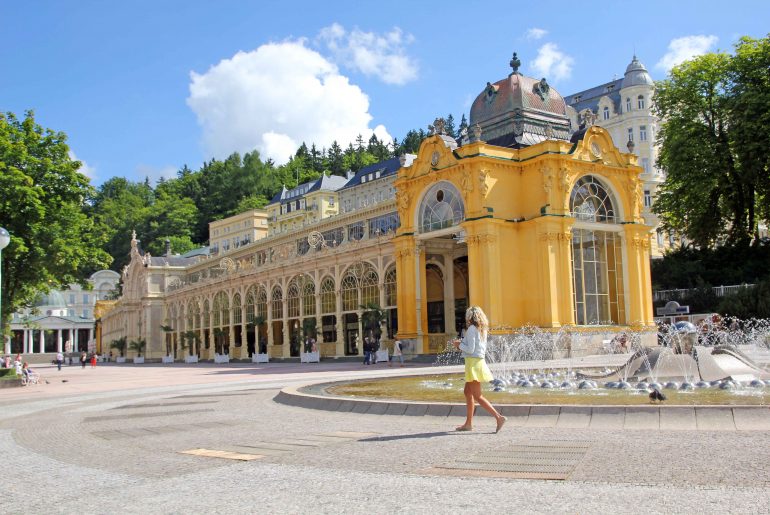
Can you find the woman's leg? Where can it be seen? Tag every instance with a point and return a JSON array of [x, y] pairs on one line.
[[478, 397], [469, 407]]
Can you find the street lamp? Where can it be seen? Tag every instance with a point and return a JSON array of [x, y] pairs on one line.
[[5, 239]]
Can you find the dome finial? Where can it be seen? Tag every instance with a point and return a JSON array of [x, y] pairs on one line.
[[514, 63]]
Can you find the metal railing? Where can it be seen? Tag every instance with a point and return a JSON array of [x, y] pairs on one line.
[[719, 291]]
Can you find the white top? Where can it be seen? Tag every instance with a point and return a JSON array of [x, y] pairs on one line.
[[472, 344], [397, 348]]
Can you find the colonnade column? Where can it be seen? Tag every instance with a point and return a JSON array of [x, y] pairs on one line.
[[338, 314], [319, 328], [449, 296], [42, 341], [286, 351], [245, 336], [361, 335]]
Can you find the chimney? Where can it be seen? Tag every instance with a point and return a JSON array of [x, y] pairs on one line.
[[168, 248]]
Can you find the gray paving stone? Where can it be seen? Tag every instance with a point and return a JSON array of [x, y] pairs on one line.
[[377, 408], [438, 410], [396, 408], [361, 407], [678, 419], [457, 411], [714, 419]]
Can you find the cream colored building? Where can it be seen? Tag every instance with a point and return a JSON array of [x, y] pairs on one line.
[[624, 108], [233, 232]]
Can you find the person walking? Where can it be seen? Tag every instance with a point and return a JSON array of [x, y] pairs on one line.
[[59, 360], [474, 349], [93, 360], [397, 353], [83, 360]]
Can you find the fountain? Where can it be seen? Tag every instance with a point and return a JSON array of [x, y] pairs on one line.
[[716, 363]]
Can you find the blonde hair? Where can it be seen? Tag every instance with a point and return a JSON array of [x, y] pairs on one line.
[[474, 315]]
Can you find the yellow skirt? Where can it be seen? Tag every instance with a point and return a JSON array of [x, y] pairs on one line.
[[476, 369]]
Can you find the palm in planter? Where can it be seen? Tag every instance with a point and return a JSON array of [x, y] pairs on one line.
[[120, 345], [167, 329], [138, 346], [372, 318]]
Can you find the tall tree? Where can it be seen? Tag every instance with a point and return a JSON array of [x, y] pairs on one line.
[[43, 206], [705, 195]]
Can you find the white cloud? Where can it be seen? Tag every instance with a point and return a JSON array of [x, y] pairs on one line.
[[274, 98], [552, 63], [85, 169], [153, 173], [684, 48], [535, 33], [380, 55]]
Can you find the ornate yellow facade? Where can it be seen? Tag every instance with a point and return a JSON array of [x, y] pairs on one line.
[[517, 228]]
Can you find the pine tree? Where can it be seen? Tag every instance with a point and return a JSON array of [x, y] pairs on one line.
[[449, 126]]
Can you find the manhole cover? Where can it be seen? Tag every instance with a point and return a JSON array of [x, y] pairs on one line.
[[528, 460]]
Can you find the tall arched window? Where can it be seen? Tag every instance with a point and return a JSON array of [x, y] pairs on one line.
[[370, 292], [206, 318], [589, 201], [292, 298], [640, 101], [261, 310], [628, 105], [441, 207], [237, 313], [250, 301], [190, 316], [308, 298], [606, 113], [349, 293], [328, 297], [597, 270], [390, 288], [277, 307]]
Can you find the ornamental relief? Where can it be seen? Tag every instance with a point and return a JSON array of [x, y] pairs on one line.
[[551, 237], [640, 242], [402, 199], [480, 239], [466, 184], [548, 176], [483, 185]]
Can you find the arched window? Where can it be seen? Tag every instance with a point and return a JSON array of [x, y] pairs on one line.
[[328, 297], [277, 307], [262, 304], [308, 298], [597, 262], [221, 310], [606, 113], [390, 288], [589, 201], [441, 207], [250, 301], [370, 292], [206, 318], [292, 297], [628, 105], [237, 316], [349, 293], [190, 315], [640, 101]]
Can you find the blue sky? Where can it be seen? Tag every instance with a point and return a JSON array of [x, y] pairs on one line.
[[143, 87]]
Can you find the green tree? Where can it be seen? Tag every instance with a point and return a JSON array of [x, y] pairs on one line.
[[714, 145], [44, 207]]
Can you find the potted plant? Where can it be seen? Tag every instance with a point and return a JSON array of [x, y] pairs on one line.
[[309, 354], [138, 346], [219, 346], [261, 355], [189, 339], [372, 319], [120, 345], [169, 357]]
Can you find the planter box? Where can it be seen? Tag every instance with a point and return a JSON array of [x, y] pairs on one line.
[[191, 359], [310, 357], [260, 358], [138, 360], [221, 358], [120, 360], [167, 359], [381, 355]]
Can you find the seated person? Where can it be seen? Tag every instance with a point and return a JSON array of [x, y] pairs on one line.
[[28, 376]]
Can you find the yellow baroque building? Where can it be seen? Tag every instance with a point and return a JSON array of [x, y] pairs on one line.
[[536, 221]]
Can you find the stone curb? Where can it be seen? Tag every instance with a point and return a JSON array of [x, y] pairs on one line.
[[653, 417]]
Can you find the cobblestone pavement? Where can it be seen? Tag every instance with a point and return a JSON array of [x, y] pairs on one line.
[[113, 441]]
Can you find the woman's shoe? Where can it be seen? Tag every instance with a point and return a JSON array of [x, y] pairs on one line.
[[500, 423]]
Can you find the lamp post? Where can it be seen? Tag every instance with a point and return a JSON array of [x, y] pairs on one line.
[[5, 239]]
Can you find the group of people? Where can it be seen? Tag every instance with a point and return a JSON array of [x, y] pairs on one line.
[[372, 345], [21, 368]]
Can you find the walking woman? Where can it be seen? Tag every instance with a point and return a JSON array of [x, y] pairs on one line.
[[474, 349]]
